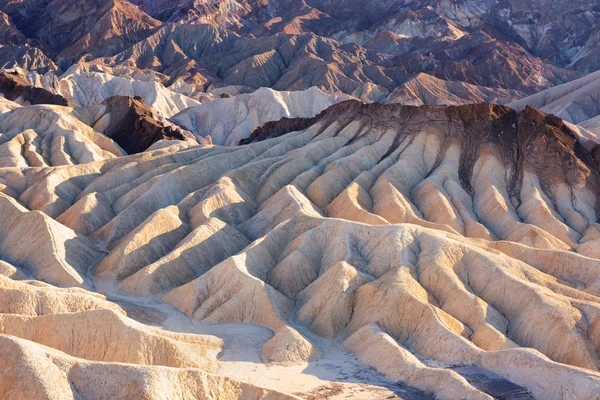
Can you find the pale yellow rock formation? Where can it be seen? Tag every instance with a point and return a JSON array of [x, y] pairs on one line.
[[23, 298], [415, 236], [48, 135], [374, 347], [43, 373], [112, 337], [61, 256]]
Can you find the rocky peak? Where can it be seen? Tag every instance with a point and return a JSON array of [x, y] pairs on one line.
[[16, 88], [134, 125]]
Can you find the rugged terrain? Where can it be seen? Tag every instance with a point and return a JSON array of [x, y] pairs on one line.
[[577, 102], [299, 199], [202, 48], [566, 41], [452, 249], [52, 134], [229, 120]]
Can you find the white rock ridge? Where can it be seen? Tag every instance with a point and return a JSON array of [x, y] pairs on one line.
[[229, 120], [86, 86]]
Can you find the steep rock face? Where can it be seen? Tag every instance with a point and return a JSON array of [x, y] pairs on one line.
[[15, 88], [534, 26], [421, 23], [254, 17], [538, 29], [465, 235], [130, 123], [227, 13], [569, 41], [29, 58], [587, 59], [480, 58], [296, 62], [9, 34]]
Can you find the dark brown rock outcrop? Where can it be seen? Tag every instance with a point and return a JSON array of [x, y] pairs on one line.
[[134, 125], [15, 88], [278, 128]]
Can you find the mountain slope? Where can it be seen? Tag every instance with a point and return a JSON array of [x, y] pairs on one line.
[[425, 89], [291, 62], [463, 235], [69, 29], [131, 123], [87, 86], [16, 88], [227, 121], [200, 46], [568, 41], [577, 102]]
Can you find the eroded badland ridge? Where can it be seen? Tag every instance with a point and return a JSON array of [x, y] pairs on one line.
[[461, 235], [315, 199]]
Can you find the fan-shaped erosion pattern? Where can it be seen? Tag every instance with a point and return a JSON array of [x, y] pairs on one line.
[[425, 242]]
